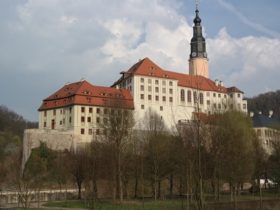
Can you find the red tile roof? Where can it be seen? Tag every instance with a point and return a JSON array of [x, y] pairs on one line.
[[146, 67], [84, 93]]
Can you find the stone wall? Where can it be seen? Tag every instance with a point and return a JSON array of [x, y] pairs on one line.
[[55, 140]]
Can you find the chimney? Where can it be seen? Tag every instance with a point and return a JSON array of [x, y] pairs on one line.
[[216, 82], [221, 83], [251, 114], [270, 113]]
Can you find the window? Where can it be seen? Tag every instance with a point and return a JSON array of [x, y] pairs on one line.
[[89, 131], [45, 113], [82, 131], [70, 110], [97, 132], [105, 120], [142, 106], [97, 110], [156, 89], [142, 80], [214, 94], [112, 111], [208, 102], [105, 111], [163, 82], [163, 98], [60, 122], [70, 120], [170, 91], [54, 112], [89, 119], [219, 95], [231, 95], [149, 97], [225, 96], [142, 96], [170, 99], [63, 121], [182, 95], [215, 106], [238, 95], [150, 88], [83, 109], [97, 120], [161, 108], [149, 81], [90, 110], [45, 124], [194, 97], [244, 106], [163, 90], [189, 96], [156, 82], [82, 119], [170, 83], [142, 88], [157, 98], [201, 98]]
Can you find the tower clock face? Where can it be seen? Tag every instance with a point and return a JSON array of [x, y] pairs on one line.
[[193, 54]]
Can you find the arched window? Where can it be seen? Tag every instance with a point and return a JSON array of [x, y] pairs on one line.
[[189, 96], [201, 98], [194, 97], [182, 95]]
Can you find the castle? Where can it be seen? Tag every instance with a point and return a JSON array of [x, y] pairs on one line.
[[76, 111]]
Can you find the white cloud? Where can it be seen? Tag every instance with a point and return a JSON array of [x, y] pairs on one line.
[[64, 40]]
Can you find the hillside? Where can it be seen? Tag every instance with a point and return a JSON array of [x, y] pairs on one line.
[[12, 122], [265, 102]]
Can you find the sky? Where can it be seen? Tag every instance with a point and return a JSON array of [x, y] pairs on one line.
[[45, 44]]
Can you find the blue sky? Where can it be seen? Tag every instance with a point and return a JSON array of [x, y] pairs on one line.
[[47, 43]]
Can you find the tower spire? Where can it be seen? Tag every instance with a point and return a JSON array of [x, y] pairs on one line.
[[198, 47]]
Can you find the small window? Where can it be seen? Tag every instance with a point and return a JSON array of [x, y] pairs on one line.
[[161, 108], [97, 132], [70, 120], [163, 90], [170, 99], [142, 106], [170, 91], [150, 88], [157, 98], [142, 80], [219, 95], [149, 97], [82, 131], [244, 106], [45, 124], [60, 122], [214, 94], [97, 120], [82, 119], [70, 110], [189, 96], [208, 102], [142, 88], [194, 97], [98, 110], [149, 81], [45, 113], [90, 131], [225, 96], [163, 82], [89, 119], [170, 83], [156, 89], [142, 96], [105, 111], [90, 110], [163, 98], [182, 95], [238, 95], [156, 82], [83, 109], [201, 98]]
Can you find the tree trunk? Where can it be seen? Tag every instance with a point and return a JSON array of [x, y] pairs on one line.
[[120, 177], [159, 190], [79, 190], [136, 184], [171, 185]]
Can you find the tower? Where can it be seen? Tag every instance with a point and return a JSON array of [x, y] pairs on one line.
[[198, 62]]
